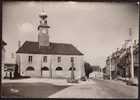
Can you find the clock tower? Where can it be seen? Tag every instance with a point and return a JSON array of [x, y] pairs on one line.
[[43, 36]]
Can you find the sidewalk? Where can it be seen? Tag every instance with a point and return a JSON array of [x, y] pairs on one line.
[[58, 82], [126, 80], [123, 79], [79, 91]]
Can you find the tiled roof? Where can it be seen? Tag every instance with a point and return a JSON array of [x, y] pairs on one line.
[[54, 48]]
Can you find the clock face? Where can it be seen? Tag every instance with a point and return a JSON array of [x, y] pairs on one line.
[[44, 31]]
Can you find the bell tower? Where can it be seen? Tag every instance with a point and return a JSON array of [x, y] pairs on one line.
[[43, 36]]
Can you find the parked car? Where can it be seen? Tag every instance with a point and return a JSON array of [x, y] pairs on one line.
[[83, 78], [96, 75], [132, 82]]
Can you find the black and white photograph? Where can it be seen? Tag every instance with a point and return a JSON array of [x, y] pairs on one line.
[[70, 49]]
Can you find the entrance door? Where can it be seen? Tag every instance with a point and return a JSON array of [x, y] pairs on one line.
[[10, 75], [45, 71]]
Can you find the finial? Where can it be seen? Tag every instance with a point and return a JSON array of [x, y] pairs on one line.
[[43, 11]]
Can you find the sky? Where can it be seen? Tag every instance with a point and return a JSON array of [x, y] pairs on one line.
[[96, 29]]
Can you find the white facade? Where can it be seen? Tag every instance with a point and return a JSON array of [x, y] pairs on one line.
[[32, 66], [52, 63]]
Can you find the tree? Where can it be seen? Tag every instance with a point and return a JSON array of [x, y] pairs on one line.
[[16, 74], [88, 69]]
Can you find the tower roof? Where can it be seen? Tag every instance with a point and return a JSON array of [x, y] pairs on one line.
[[43, 15], [43, 21]]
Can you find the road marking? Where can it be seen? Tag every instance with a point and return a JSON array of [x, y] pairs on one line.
[[14, 90]]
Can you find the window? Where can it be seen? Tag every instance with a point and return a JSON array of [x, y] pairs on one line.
[[30, 59], [45, 68], [58, 59], [45, 59], [30, 68], [72, 59], [59, 68], [71, 68]]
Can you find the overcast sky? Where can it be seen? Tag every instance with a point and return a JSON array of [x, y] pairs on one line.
[[96, 29]]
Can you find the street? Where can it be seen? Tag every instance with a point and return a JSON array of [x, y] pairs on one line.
[[61, 89], [99, 89]]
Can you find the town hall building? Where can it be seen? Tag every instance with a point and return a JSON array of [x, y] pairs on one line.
[[49, 59]]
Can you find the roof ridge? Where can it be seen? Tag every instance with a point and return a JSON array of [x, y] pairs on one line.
[[50, 42], [61, 43]]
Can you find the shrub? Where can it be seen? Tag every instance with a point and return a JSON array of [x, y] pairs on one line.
[[24, 76], [83, 78], [69, 80]]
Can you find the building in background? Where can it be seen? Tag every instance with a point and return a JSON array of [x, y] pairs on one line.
[[124, 63], [3, 58], [96, 73], [121, 62], [9, 69], [48, 59]]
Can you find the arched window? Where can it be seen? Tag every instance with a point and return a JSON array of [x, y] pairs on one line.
[[45, 68], [71, 68], [30, 68], [59, 68]]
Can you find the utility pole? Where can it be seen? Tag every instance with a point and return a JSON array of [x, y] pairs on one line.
[[131, 52], [51, 67], [132, 61], [41, 66], [72, 71], [18, 59], [110, 68]]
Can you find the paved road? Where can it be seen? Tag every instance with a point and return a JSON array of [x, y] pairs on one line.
[[29, 90], [99, 89], [88, 89]]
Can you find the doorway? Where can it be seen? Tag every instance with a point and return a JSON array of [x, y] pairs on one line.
[[45, 71]]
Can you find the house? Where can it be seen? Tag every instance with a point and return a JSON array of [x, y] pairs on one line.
[[43, 58], [3, 57], [107, 69]]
